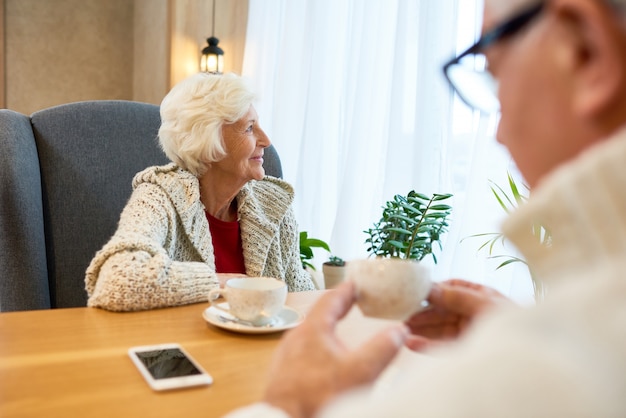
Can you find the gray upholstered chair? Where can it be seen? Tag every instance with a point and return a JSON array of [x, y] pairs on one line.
[[23, 269], [88, 154], [61, 201]]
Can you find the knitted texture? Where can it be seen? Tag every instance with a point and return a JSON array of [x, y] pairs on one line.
[[162, 254], [583, 206]]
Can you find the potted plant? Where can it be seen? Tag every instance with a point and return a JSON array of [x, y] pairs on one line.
[[509, 203], [334, 271], [306, 256], [306, 249], [409, 227]]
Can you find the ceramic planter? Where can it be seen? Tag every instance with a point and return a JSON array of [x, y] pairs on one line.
[[333, 275]]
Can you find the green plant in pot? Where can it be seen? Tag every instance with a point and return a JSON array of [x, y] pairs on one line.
[[409, 227], [394, 284], [335, 261], [510, 201], [334, 271]]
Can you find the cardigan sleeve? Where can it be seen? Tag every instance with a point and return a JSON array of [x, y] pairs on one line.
[[296, 277], [270, 235], [133, 271]]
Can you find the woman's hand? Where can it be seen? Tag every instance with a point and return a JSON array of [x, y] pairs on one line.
[[311, 366], [453, 306]]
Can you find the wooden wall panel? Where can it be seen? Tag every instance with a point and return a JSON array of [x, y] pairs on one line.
[[230, 27], [63, 51], [60, 51], [2, 80], [151, 57], [192, 22]]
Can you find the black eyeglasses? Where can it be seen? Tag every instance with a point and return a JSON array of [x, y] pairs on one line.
[[467, 73]]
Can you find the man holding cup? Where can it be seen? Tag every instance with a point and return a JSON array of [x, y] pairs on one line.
[[557, 75]]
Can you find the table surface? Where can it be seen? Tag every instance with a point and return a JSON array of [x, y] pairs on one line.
[[74, 362]]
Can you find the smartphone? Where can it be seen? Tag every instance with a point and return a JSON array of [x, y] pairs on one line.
[[168, 366]]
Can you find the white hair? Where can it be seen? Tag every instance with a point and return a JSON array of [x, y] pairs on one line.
[[192, 116]]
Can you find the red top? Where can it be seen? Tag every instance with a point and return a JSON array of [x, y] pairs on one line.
[[226, 245]]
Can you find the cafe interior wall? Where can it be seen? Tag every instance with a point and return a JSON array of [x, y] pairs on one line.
[[62, 51]]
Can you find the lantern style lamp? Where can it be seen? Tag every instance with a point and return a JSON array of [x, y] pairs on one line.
[[212, 60]]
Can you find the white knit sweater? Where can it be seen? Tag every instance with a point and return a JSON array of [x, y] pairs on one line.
[[162, 254], [583, 206]]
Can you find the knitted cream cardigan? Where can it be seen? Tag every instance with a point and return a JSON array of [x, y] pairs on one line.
[[162, 255]]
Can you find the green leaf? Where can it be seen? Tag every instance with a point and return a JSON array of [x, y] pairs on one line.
[[409, 226], [516, 194], [306, 248], [306, 252], [400, 230], [317, 243], [487, 243], [440, 207], [397, 244], [502, 204], [494, 241], [437, 215], [417, 202], [420, 195], [411, 208], [510, 260], [402, 217], [306, 264]]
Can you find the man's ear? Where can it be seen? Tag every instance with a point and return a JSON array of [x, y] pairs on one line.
[[593, 54]]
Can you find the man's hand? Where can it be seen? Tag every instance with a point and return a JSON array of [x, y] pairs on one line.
[[453, 305], [311, 365]]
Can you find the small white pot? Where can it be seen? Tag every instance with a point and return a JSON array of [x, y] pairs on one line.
[[333, 275]]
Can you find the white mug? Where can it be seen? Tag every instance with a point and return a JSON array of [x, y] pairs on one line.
[[252, 299], [389, 288]]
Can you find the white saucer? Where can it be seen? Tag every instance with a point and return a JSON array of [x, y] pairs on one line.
[[286, 319]]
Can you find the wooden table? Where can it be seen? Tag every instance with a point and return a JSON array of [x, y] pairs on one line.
[[74, 362]]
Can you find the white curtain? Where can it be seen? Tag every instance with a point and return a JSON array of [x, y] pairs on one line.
[[353, 97]]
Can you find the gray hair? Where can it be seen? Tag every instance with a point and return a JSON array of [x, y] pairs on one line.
[[502, 8], [192, 116], [619, 6]]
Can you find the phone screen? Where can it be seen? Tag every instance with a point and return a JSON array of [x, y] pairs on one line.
[[167, 363]]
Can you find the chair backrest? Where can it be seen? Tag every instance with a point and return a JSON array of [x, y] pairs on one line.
[[23, 270], [271, 162], [88, 153], [66, 176]]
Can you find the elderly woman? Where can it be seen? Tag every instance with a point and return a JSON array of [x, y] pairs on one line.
[[210, 213]]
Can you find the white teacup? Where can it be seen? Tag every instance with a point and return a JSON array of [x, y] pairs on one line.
[[252, 299], [389, 288]]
